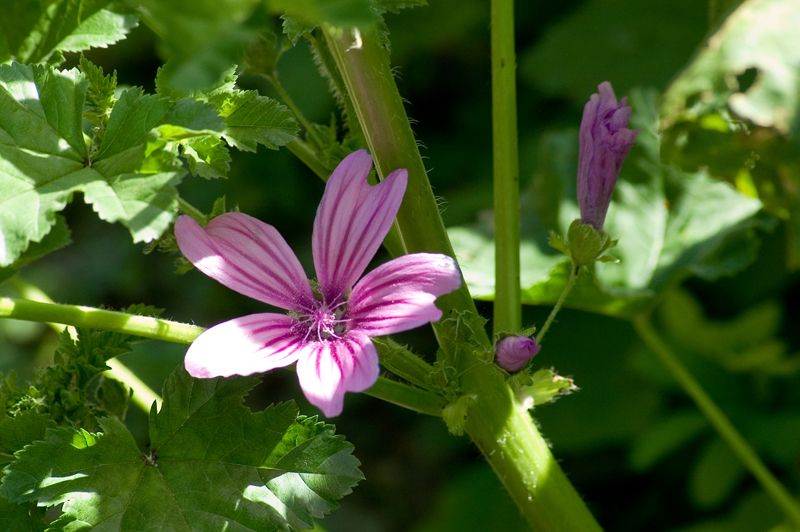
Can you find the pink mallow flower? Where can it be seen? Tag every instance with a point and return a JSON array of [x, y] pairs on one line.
[[328, 329]]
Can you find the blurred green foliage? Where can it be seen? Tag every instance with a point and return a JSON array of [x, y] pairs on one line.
[[706, 253]]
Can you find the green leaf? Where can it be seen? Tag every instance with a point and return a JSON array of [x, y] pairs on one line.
[[18, 431], [252, 119], [128, 171], [669, 224], [627, 42], [760, 35], [340, 13], [207, 157], [664, 437], [19, 517], [744, 343], [202, 39], [59, 237], [735, 109], [716, 475], [395, 6], [212, 464], [32, 31]]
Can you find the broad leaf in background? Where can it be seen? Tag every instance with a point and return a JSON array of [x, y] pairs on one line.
[[201, 39], [128, 172], [212, 464], [670, 224], [32, 31], [735, 109]]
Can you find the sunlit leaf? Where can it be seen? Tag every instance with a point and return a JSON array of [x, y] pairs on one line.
[[127, 170], [212, 464], [32, 30], [735, 109]]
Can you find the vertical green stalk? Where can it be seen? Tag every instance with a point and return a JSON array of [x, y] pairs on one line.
[[502, 430], [719, 420], [507, 305]]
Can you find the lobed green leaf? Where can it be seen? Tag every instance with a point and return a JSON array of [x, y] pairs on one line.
[[212, 464]]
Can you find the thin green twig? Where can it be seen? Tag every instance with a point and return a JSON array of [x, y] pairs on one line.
[[717, 418], [573, 277]]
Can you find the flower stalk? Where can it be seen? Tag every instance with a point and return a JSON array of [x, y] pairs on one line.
[[394, 392], [507, 304]]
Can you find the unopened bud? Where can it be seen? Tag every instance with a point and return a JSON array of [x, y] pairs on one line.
[[514, 352]]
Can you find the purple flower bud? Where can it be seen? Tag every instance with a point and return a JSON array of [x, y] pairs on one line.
[[604, 143], [514, 352]]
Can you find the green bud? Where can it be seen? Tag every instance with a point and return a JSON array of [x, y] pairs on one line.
[[584, 245], [544, 386]]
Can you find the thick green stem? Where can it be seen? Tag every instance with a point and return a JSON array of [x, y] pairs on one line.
[[573, 277], [507, 305], [719, 420], [504, 432], [182, 333]]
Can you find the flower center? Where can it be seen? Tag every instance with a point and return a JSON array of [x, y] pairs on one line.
[[325, 322]]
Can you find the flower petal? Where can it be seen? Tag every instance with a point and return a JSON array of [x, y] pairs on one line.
[[247, 256], [400, 294], [331, 368], [352, 220], [246, 345]]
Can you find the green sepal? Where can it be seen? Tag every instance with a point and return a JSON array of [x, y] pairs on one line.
[[584, 244], [455, 414], [544, 386]]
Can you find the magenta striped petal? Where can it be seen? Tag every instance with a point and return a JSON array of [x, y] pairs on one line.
[[247, 256], [400, 294], [246, 345], [331, 368], [352, 220]]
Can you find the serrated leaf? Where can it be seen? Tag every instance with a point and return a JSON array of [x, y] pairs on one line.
[[252, 119], [207, 157], [213, 464], [129, 172], [35, 30], [669, 224], [18, 431]]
